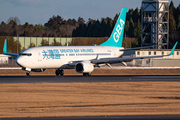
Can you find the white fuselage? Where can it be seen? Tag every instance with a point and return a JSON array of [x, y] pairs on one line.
[[62, 56]]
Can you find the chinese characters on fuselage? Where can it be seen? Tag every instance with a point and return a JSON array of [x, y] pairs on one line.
[[56, 53]]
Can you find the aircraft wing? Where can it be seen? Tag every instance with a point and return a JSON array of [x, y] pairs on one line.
[[118, 60], [5, 50], [137, 48]]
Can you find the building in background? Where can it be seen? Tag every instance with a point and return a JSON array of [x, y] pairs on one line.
[[4, 59], [26, 42]]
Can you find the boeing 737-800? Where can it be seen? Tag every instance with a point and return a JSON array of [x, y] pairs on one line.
[[81, 58]]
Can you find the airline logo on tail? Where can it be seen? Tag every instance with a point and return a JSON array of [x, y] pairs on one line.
[[116, 37], [118, 32]]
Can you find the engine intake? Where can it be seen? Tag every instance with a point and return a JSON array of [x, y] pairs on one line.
[[84, 67]]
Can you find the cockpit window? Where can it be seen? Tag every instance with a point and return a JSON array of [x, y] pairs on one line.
[[26, 54]]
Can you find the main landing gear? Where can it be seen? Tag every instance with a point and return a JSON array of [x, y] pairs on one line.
[[86, 74], [28, 73], [59, 72]]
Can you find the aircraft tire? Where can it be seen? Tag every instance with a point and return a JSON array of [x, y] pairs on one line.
[[86, 74], [61, 72], [28, 73], [57, 72]]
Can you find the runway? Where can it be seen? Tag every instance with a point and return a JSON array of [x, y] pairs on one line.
[[153, 117], [94, 78]]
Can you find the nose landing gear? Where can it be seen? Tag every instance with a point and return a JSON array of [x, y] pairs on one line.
[[28, 73], [59, 72]]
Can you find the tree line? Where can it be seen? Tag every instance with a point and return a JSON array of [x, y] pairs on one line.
[[58, 27]]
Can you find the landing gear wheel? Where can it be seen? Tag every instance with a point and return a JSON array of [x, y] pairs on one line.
[[59, 72], [86, 74], [28, 73]]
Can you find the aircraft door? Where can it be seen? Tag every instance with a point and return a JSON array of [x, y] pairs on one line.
[[39, 56]]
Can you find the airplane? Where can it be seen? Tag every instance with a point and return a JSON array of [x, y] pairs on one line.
[[81, 58]]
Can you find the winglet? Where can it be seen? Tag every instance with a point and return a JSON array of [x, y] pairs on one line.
[[172, 51], [5, 46]]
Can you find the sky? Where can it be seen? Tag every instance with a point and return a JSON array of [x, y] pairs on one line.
[[39, 11]]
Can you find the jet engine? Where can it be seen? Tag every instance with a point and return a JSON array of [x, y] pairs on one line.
[[84, 67]]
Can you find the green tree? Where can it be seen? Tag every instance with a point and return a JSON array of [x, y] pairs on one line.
[[172, 23], [12, 23], [83, 31], [32, 45], [178, 25], [26, 25], [44, 43], [109, 27], [178, 18], [171, 8], [96, 29], [136, 15], [103, 26], [137, 30], [115, 18], [55, 43], [90, 28], [131, 28], [3, 23], [77, 31], [126, 28], [14, 19], [81, 20]]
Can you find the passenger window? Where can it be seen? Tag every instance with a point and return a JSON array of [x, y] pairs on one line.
[[138, 53], [149, 52], [154, 53], [162, 53]]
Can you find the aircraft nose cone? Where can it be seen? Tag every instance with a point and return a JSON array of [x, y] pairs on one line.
[[20, 61]]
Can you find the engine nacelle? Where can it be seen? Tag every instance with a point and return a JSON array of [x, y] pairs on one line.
[[84, 67]]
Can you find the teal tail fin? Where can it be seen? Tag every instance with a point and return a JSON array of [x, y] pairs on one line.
[[5, 46], [5, 50], [172, 51], [116, 37]]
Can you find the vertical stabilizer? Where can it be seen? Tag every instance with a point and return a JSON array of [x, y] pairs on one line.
[[116, 37], [5, 46]]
